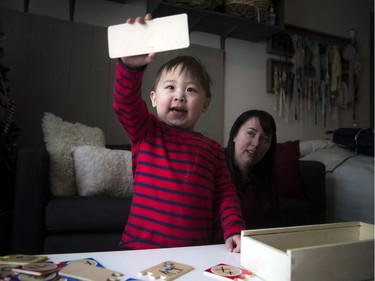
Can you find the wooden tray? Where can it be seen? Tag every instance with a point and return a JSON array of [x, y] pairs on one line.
[[335, 251]]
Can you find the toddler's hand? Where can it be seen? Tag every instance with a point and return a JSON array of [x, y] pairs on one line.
[[140, 60], [233, 243]]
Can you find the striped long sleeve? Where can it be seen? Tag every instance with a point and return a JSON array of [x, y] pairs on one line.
[[180, 177]]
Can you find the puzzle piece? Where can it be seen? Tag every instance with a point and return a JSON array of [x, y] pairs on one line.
[[28, 277], [83, 271], [54, 276], [6, 270], [21, 259], [88, 261], [167, 270], [228, 272], [38, 268]]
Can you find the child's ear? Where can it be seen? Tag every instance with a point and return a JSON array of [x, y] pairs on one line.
[[153, 98], [206, 104]]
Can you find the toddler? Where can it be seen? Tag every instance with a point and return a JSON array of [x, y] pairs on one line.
[[181, 180]]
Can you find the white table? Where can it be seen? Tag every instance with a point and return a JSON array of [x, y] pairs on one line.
[[131, 262]]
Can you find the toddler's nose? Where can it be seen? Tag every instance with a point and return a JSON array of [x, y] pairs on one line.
[[179, 96]]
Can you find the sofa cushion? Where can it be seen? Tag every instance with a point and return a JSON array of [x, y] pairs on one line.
[[102, 171], [287, 171], [295, 211], [81, 242], [60, 138], [309, 146], [66, 214]]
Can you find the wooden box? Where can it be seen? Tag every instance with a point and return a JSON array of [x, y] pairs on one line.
[[335, 251]]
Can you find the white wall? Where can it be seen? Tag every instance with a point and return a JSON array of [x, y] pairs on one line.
[[245, 62], [63, 67], [245, 84]]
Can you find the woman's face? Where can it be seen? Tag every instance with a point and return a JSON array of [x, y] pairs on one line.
[[250, 144]]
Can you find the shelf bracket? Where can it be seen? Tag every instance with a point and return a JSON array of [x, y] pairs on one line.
[[222, 42], [72, 5], [26, 6], [194, 24], [224, 37]]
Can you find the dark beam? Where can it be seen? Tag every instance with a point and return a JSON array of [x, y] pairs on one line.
[[118, 1], [26, 6], [72, 5]]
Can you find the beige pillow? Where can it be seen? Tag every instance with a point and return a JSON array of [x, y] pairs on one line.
[[102, 171], [60, 138]]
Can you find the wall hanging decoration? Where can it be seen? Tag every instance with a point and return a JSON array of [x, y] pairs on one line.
[[314, 73]]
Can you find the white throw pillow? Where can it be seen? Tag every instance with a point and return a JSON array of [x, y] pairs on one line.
[[330, 157], [60, 138], [102, 171], [306, 147]]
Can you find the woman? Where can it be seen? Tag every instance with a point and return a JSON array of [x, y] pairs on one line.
[[250, 156]]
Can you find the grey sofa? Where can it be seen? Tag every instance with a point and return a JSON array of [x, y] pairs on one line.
[[45, 224]]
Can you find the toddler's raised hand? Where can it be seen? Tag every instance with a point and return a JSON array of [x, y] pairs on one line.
[[140, 60]]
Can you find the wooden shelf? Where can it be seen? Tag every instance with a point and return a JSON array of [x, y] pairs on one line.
[[219, 23]]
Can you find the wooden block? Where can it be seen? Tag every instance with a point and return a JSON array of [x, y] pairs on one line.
[[167, 270], [325, 252], [157, 35]]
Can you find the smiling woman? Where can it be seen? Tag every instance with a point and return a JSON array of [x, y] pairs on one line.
[[250, 156], [274, 187]]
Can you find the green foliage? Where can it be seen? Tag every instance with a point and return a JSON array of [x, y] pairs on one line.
[[8, 142]]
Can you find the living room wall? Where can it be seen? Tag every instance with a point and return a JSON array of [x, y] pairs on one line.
[[245, 62], [63, 67]]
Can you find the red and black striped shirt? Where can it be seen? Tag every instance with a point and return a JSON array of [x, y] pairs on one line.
[[180, 177]]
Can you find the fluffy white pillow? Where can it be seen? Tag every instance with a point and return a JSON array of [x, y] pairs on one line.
[[60, 138], [102, 171]]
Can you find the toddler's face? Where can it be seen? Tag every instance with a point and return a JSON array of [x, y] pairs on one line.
[[179, 99]]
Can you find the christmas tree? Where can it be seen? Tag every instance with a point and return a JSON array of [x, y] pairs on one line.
[[9, 132]]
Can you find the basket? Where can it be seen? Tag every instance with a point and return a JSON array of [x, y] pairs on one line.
[[199, 4], [251, 9]]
